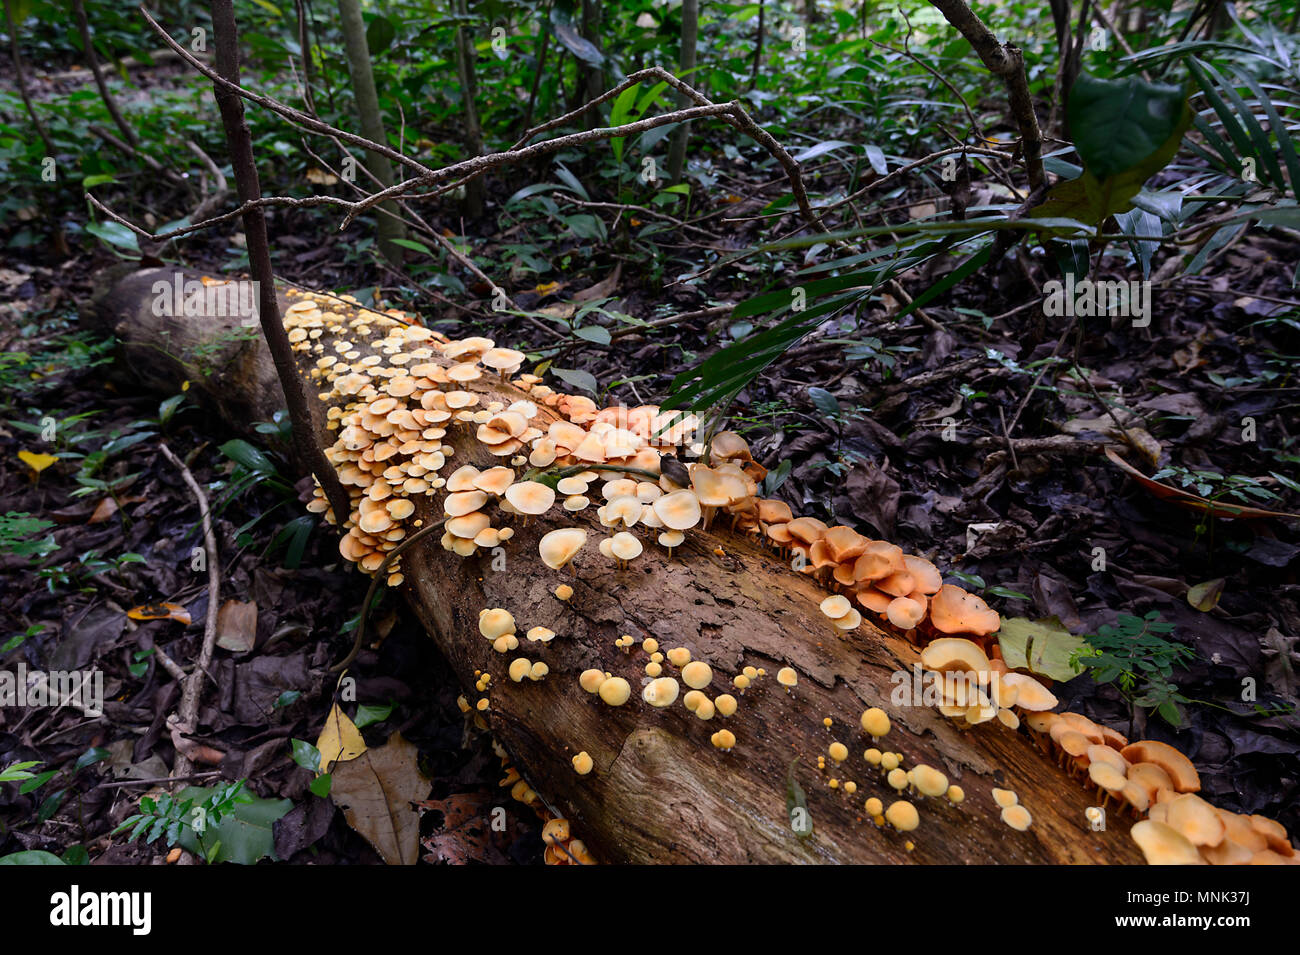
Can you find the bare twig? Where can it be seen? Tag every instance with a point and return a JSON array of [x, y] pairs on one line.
[[1006, 61], [191, 689], [88, 48], [20, 79], [240, 143]]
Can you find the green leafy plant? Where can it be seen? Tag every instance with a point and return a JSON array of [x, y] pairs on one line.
[[1136, 657], [174, 817], [23, 535], [308, 757], [90, 565]]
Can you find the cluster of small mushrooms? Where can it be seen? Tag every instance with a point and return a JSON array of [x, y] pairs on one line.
[[392, 406]]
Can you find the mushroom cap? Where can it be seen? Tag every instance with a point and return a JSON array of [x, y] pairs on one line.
[[679, 510], [904, 612], [850, 621], [836, 607], [878, 560], [954, 654], [540, 635], [898, 584], [505, 360], [619, 487], [590, 680], [1005, 797], [774, 512], [401, 508], [625, 508], [519, 668], [787, 676], [697, 674], [1111, 757], [679, 656], [929, 781], [468, 526], [462, 479], [571, 485], [583, 763], [723, 739], [559, 546], [727, 445], [1180, 769], [1164, 845], [460, 503], [615, 691], [1196, 819], [953, 610], [874, 600], [844, 543], [661, 692], [530, 497], [807, 530], [713, 487], [1106, 776], [495, 622], [725, 704], [671, 538], [902, 815], [925, 574], [875, 722], [1017, 817], [1030, 694], [495, 480], [625, 546]]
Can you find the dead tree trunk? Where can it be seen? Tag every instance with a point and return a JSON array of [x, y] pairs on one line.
[[660, 792]]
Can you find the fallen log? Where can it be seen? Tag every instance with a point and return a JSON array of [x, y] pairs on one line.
[[659, 790]]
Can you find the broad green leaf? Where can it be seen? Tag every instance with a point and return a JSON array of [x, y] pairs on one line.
[[380, 34], [114, 234], [243, 453], [824, 401], [31, 857], [1039, 646], [577, 378], [243, 835], [598, 334], [413, 246], [1118, 125], [366, 715]]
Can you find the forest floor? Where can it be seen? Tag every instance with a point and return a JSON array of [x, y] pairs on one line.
[[896, 427]]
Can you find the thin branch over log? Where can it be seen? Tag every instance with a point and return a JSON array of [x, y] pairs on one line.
[[240, 142], [1006, 61]]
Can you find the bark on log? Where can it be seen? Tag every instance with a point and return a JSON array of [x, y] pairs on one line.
[[660, 792]]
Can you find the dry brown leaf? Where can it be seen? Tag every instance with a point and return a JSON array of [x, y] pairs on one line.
[[602, 289], [237, 626], [103, 511], [465, 834], [376, 791]]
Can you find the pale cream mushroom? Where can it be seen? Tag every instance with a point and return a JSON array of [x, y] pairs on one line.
[[558, 547]]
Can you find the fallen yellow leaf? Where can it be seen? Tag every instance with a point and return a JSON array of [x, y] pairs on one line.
[[36, 461], [160, 611], [340, 740], [546, 288]]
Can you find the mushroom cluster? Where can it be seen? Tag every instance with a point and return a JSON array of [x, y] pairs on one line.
[[393, 389]]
